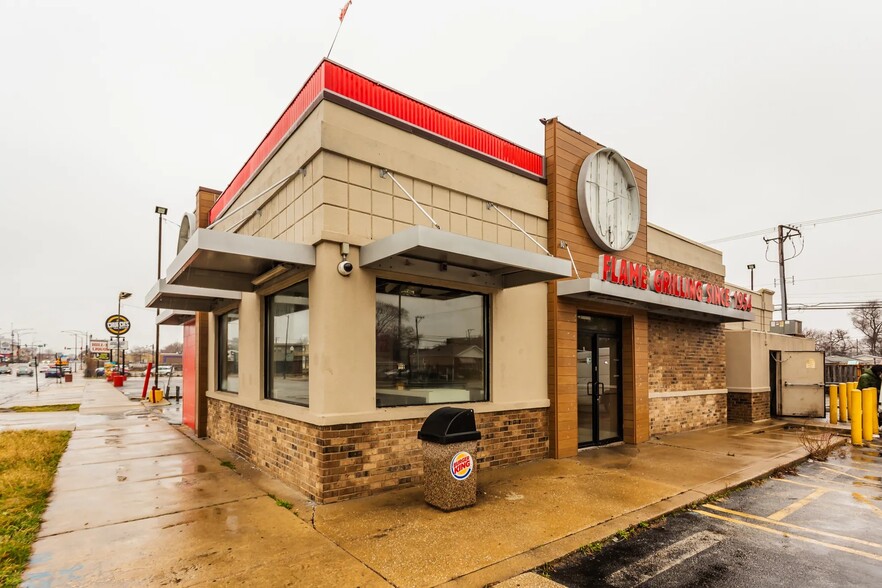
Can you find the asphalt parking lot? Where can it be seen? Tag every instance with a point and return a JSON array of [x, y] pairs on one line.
[[817, 525]]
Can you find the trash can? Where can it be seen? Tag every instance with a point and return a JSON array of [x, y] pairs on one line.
[[118, 380], [450, 442], [68, 377]]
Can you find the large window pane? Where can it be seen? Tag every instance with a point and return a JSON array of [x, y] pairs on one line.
[[431, 345], [287, 345], [228, 351]]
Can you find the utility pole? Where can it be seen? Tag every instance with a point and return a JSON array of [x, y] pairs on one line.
[[791, 232]]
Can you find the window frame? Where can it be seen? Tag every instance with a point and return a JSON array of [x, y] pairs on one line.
[[486, 322], [222, 348], [268, 346]]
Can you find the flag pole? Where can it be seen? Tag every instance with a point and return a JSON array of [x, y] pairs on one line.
[[342, 16]]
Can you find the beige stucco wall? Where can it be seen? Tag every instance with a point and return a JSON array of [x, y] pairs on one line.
[[667, 244], [762, 311], [747, 357], [340, 197]]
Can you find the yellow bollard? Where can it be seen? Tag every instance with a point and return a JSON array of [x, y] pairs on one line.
[[857, 438], [843, 402], [875, 411], [867, 395], [834, 404]]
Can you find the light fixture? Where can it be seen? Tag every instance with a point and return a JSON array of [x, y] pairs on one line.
[[269, 275], [161, 210], [124, 295]]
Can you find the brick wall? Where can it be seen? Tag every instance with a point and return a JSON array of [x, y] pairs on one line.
[[749, 407], [338, 462], [685, 413], [685, 355]]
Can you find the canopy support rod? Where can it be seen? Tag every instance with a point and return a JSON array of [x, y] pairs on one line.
[[250, 200], [385, 172], [518, 227]]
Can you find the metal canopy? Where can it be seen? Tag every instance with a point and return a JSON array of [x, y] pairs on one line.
[[215, 259], [174, 318], [434, 253], [596, 290], [163, 295]]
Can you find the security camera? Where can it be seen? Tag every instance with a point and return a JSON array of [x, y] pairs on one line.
[[345, 268]]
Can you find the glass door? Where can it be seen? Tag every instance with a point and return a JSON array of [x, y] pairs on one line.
[[598, 378]]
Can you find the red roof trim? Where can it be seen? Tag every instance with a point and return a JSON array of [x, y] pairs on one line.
[[335, 78]]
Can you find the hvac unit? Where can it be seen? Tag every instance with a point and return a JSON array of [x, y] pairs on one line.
[[787, 327]]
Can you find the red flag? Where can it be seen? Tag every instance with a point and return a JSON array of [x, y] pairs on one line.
[[345, 8]]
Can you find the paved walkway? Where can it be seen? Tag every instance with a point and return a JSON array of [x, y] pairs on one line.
[[137, 500]]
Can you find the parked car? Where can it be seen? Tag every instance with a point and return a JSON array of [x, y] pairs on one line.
[[53, 372], [164, 370], [5, 369], [24, 370]]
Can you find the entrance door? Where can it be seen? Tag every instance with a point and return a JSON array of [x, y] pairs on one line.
[[801, 387], [598, 379]]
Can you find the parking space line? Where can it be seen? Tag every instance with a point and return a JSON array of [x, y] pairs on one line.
[[792, 526], [664, 559], [786, 511], [861, 498], [833, 546], [841, 473], [839, 486]]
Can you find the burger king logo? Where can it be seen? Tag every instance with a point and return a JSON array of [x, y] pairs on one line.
[[461, 465]]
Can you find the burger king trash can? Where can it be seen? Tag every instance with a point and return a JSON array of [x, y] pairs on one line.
[[450, 442]]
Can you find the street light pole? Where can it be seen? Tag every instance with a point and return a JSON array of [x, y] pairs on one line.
[[119, 353], [160, 211]]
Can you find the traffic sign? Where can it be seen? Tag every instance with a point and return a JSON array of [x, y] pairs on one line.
[[117, 324]]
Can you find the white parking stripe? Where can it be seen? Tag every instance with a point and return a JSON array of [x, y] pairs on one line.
[[664, 559]]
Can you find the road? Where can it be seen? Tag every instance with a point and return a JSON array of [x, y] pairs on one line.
[[817, 526], [22, 391]]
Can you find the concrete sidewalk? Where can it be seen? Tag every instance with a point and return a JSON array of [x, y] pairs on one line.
[[137, 500]]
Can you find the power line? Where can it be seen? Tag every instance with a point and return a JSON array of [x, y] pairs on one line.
[[817, 221]]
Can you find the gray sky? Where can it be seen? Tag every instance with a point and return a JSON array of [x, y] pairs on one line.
[[747, 116]]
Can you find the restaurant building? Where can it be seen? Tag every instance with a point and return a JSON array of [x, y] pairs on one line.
[[376, 258]]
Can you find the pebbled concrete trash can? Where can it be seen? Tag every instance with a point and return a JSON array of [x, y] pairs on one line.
[[450, 442]]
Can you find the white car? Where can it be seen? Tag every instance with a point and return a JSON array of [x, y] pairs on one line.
[[164, 370]]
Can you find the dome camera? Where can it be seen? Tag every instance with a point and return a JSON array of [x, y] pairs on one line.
[[345, 268]]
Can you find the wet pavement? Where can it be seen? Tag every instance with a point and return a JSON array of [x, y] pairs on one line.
[[139, 500], [818, 522]]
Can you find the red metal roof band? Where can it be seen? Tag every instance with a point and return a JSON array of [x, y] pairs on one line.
[[335, 78]]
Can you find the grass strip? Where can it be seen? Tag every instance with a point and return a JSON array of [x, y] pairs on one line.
[[28, 460], [45, 408]]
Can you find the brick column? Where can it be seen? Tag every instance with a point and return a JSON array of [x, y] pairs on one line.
[[205, 199]]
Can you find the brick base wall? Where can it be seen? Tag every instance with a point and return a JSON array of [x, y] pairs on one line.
[[749, 407], [686, 413], [338, 462]]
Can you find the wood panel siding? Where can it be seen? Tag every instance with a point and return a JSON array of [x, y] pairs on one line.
[[565, 150]]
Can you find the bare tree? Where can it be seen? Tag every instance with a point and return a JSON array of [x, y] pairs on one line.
[[835, 342], [176, 347], [868, 320]]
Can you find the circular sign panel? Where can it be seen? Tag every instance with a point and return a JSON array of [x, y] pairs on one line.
[[462, 465], [117, 324], [609, 202]]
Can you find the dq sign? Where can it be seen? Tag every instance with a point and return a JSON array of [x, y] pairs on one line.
[[117, 324]]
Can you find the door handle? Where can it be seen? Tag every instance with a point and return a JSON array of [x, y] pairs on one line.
[[601, 390], [588, 388]]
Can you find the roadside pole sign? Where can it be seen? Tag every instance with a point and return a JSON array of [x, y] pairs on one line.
[[98, 346], [115, 345], [117, 324]]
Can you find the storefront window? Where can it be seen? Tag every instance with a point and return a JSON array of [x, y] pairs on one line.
[[431, 345], [228, 351], [287, 345]]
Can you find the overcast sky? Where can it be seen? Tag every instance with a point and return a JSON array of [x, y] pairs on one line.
[[747, 116]]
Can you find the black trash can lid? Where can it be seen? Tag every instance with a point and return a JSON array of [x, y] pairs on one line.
[[449, 425]]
